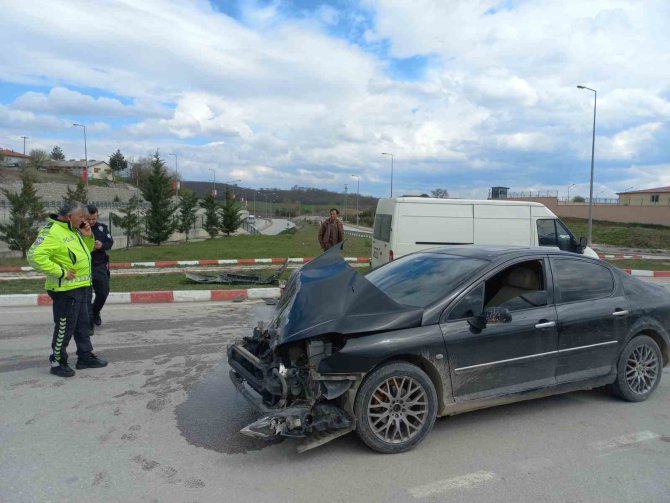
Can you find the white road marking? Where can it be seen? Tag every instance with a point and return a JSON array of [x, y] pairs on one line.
[[625, 440], [468, 481]]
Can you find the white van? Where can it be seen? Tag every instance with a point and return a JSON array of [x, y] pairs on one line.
[[407, 224]]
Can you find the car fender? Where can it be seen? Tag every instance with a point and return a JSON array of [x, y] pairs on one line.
[[650, 326], [423, 346]]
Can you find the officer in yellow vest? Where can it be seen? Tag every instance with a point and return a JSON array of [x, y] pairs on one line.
[[62, 251]]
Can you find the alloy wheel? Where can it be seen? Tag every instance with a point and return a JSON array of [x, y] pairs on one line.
[[398, 409], [642, 369]]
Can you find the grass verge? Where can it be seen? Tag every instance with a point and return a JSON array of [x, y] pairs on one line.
[[302, 243], [650, 237]]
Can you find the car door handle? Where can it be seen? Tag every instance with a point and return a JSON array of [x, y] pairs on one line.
[[546, 324], [620, 313]]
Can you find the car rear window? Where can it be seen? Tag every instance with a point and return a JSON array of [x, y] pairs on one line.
[[423, 278], [382, 229]]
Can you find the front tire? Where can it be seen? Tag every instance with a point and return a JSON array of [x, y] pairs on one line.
[[638, 370], [395, 408]]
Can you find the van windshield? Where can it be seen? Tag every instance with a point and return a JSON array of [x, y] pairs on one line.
[[423, 278]]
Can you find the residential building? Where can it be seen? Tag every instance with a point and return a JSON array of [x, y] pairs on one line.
[[97, 170], [11, 159], [657, 196]]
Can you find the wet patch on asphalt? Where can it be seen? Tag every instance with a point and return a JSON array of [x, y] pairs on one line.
[[214, 413]]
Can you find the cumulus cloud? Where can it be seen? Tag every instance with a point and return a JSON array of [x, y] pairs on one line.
[[280, 97]]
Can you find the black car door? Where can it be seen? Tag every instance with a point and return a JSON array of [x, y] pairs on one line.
[[593, 318], [502, 358]]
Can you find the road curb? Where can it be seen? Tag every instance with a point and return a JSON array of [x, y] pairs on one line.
[[148, 297], [177, 263]]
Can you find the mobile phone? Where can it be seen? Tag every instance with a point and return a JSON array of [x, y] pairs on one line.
[[82, 225]]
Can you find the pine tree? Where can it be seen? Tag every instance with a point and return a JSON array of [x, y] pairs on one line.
[[26, 212], [188, 202], [158, 193], [117, 162], [57, 154], [230, 214], [80, 193], [212, 221], [131, 220]]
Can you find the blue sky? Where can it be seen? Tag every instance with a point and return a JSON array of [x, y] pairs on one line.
[[465, 94]]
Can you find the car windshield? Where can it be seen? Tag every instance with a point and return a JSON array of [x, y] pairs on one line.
[[421, 279]]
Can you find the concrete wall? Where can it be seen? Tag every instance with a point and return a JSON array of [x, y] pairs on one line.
[[649, 214]]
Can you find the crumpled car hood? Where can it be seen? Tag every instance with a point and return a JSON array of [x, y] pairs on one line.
[[327, 295]]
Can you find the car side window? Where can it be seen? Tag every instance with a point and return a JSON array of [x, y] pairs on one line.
[[521, 286], [566, 241], [581, 280], [470, 305], [546, 232]]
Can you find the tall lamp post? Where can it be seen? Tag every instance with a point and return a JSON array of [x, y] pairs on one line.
[[213, 182], [593, 148], [176, 172], [24, 143], [358, 192], [386, 153], [569, 191], [85, 150]]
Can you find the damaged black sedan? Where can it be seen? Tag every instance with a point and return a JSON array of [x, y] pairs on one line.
[[441, 332]]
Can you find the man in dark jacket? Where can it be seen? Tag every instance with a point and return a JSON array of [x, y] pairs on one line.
[[99, 265], [331, 231]]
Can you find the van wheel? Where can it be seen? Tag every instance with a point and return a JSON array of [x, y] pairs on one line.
[[395, 408], [638, 369]]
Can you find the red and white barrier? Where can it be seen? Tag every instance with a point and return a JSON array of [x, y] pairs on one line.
[[160, 296]]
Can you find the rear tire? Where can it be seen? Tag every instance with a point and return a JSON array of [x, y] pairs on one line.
[[395, 408], [638, 369]]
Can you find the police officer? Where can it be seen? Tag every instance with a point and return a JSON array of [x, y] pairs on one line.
[[62, 251], [100, 265]]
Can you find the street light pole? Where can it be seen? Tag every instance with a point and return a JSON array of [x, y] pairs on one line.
[[358, 192], [569, 191], [386, 153], [345, 202], [213, 182], [85, 151], [176, 172], [24, 143], [593, 148]]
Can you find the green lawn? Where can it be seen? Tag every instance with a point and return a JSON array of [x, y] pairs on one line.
[[302, 243], [625, 235]]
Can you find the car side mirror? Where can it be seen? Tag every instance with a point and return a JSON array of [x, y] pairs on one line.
[[583, 243], [492, 315], [495, 315]]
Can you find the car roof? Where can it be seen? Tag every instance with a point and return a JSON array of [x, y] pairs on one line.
[[490, 252]]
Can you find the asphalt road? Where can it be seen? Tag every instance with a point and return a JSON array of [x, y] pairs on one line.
[[160, 424]]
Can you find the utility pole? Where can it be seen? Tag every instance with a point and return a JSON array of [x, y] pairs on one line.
[[358, 192], [24, 143], [83, 126], [345, 202]]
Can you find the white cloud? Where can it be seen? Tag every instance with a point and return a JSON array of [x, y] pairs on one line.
[[273, 92]]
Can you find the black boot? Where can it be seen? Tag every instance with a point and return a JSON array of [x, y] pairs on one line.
[[90, 361], [97, 320], [60, 369]]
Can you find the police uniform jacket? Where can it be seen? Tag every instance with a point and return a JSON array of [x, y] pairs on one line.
[[102, 234]]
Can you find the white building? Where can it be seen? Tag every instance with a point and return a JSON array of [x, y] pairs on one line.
[[11, 159]]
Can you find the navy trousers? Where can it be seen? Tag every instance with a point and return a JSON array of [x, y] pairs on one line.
[[100, 276], [70, 310]]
